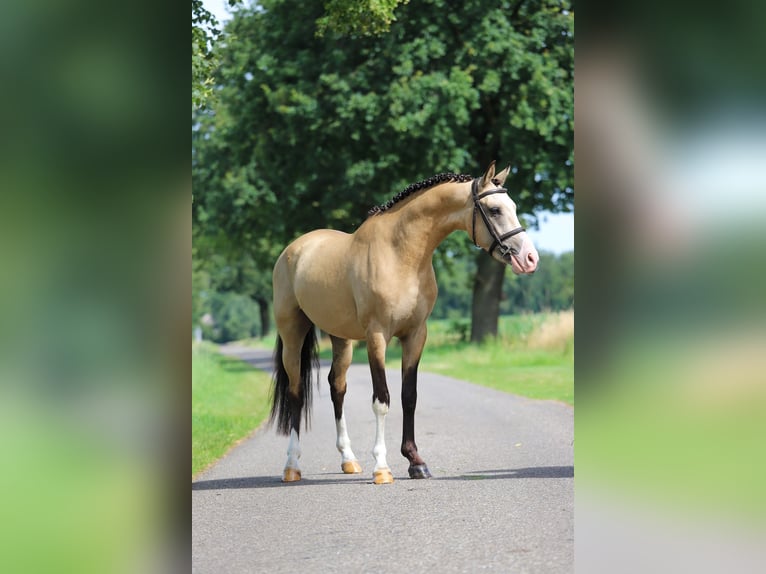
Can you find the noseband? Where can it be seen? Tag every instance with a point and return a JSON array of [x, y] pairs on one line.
[[498, 239]]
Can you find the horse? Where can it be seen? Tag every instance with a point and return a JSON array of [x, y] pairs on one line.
[[372, 285]]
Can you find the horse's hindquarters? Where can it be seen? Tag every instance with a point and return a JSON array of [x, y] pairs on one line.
[[320, 267]]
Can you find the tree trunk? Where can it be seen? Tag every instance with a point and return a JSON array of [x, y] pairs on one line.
[[263, 306], [487, 291]]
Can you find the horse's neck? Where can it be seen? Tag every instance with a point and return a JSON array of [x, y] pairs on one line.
[[428, 218]]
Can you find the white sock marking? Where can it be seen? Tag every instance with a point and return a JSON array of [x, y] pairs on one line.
[[343, 443], [293, 451], [379, 450]]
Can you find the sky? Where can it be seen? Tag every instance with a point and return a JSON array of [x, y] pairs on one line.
[[556, 233], [218, 8]]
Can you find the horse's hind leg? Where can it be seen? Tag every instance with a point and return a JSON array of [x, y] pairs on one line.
[[342, 351], [412, 349], [293, 333]]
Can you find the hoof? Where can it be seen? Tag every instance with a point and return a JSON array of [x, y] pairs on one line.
[[383, 476], [291, 475], [351, 467], [419, 471]]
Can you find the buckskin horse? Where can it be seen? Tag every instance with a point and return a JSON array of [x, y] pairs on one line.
[[375, 284]]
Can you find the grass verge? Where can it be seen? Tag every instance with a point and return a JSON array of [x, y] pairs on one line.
[[229, 399]]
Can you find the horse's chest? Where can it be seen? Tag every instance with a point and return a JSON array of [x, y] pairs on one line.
[[402, 300]]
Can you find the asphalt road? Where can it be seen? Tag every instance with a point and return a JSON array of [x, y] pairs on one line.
[[501, 498]]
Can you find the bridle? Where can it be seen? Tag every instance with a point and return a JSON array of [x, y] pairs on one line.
[[498, 239]]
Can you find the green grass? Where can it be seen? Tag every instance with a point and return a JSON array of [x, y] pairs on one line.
[[229, 400], [534, 374], [519, 361]]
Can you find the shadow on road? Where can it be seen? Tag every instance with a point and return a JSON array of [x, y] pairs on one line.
[[532, 472], [276, 481], [272, 482]]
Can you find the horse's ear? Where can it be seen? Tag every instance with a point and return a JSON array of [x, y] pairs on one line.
[[503, 174], [488, 175]]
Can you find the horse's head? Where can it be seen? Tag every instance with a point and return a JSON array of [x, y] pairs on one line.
[[495, 226]]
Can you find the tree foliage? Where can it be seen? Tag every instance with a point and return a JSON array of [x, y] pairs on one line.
[[358, 16], [221, 269], [236, 317], [204, 33], [551, 288]]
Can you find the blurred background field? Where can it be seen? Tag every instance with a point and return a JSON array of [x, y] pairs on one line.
[[671, 136]]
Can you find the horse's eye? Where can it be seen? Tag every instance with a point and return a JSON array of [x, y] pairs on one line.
[[494, 211]]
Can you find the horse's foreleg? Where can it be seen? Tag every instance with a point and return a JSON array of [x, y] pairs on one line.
[[342, 351], [376, 353], [412, 349]]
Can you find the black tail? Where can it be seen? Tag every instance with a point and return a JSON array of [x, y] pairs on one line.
[[281, 405]]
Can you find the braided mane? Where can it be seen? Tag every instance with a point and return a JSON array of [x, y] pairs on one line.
[[415, 187]]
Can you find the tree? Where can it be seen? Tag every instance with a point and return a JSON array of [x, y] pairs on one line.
[[204, 34], [551, 288], [341, 16], [454, 272], [221, 267], [312, 131], [235, 315], [358, 16]]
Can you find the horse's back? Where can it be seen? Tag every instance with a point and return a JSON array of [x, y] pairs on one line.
[[322, 246]]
